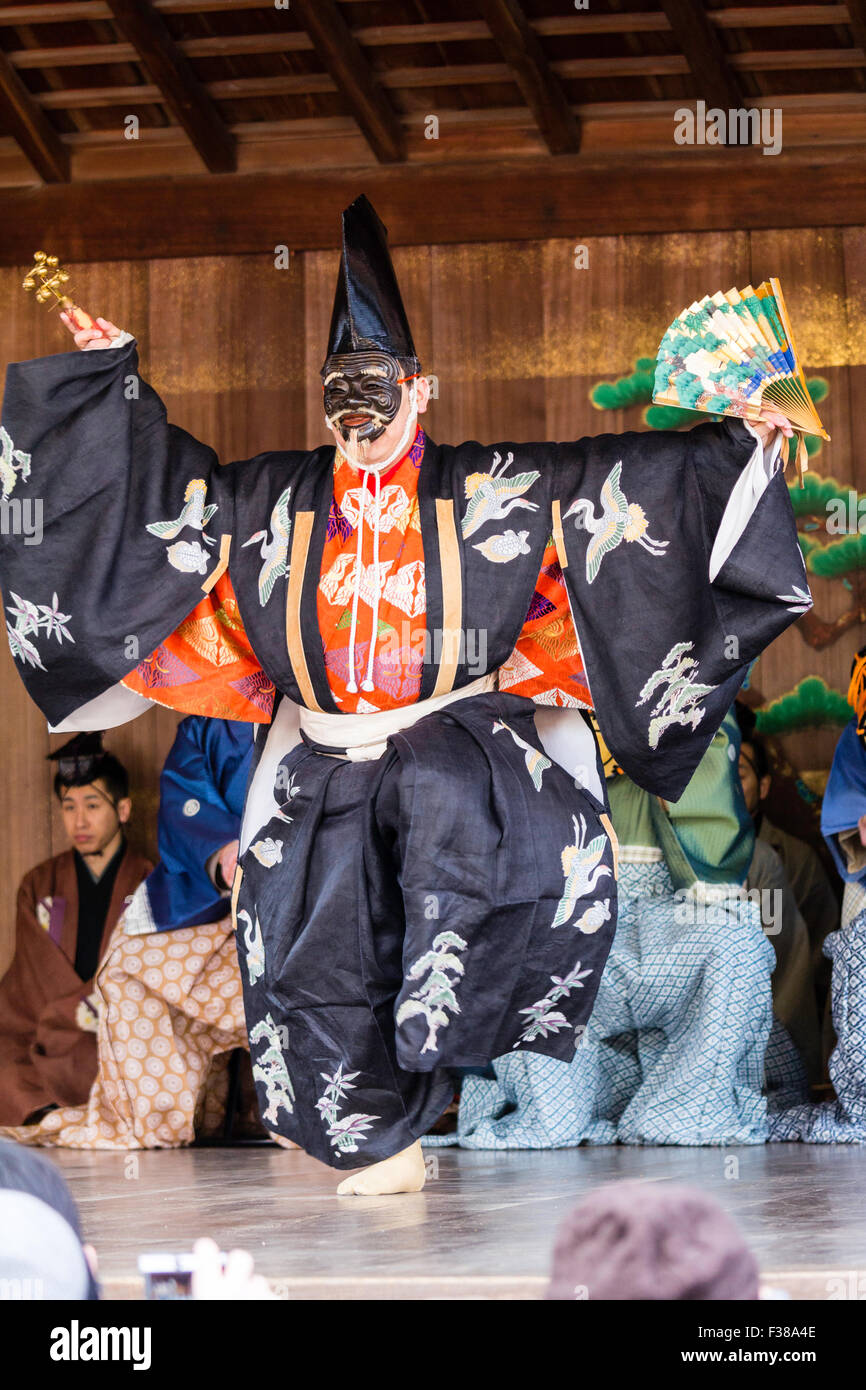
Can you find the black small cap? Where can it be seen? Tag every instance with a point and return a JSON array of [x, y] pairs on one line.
[[78, 760]]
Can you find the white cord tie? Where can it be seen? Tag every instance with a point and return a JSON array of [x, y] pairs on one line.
[[365, 471]]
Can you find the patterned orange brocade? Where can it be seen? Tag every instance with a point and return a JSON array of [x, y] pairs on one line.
[[546, 665], [399, 650], [207, 665]]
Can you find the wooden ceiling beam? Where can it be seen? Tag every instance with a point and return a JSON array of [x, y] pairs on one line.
[[83, 55], [245, 214], [178, 86], [466, 74], [28, 125], [776, 16], [793, 59], [541, 88], [342, 56], [645, 22], [715, 80]]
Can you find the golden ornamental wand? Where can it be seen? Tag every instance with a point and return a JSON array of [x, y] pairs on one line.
[[46, 277]]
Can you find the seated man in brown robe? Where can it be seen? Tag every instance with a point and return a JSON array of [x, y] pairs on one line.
[[169, 989], [67, 910]]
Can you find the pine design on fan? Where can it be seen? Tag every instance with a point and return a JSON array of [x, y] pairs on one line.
[[734, 353]]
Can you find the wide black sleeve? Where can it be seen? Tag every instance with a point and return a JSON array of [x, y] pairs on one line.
[[117, 522], [682, 564]]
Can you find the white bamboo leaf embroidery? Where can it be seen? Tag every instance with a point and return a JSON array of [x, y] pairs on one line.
[[435, 997]]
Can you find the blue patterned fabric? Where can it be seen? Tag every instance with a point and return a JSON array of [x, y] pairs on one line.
[[673, 1052], [785, 1080], [844, 1120]]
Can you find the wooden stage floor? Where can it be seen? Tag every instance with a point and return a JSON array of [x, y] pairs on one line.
[[482, 1228]]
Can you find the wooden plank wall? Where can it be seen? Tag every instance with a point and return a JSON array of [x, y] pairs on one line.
[[515, 335]]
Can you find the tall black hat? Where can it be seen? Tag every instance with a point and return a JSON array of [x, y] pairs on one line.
[[368, 310], [79, 760]]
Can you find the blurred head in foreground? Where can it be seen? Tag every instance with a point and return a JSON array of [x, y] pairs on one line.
[[635, 1240], [41, 1255]]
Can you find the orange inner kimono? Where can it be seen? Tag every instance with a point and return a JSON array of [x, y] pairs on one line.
[[207, 665]]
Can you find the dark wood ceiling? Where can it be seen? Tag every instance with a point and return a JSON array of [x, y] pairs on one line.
[[129, 90]]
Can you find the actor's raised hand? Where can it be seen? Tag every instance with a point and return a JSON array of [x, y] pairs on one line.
[[770, 421], [101, 336]]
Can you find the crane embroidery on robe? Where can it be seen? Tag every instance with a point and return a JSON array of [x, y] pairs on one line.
[[436, 995], [345, 1134], [13, 462], [270, 1070], [196, 513], [275, 548], [394, 507], [405, 589], [542, 1017], [255, 947], [582, 866], [210, 637], [31, 618], [536, 763], [501, 549], [620, 520], [678, 702], [291, 790], [492, 495]]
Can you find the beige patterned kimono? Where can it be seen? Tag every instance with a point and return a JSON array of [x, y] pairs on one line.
[[170, 1013]]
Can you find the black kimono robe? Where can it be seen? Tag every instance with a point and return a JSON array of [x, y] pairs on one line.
[[455, 897]]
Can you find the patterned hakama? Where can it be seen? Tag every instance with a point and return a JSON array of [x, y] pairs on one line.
[[844, 1120], [673, 1052]]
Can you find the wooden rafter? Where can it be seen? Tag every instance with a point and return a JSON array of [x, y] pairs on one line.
[[715, 80], [463, 75], [27, 123], [179, 88], [541, 89], [857, 22], [342, 56]]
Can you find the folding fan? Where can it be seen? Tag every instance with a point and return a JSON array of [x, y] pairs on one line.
[[728, 354]]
